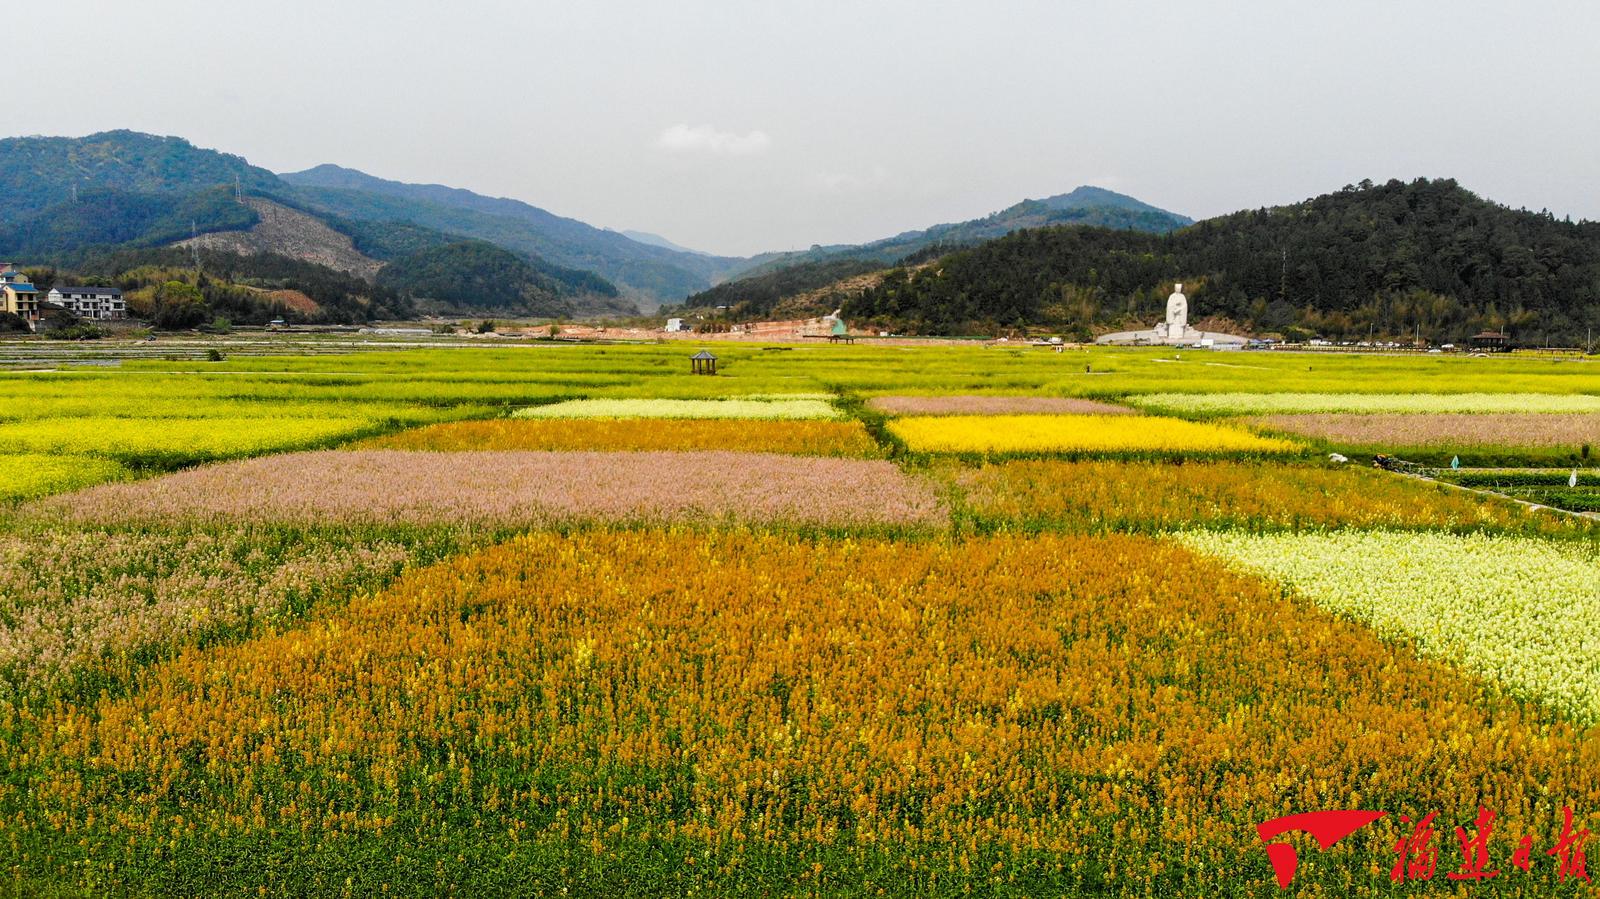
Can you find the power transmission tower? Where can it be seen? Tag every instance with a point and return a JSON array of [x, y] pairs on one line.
[[194, 244]]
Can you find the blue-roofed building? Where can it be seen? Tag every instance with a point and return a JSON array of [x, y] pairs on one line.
[[18, 296]]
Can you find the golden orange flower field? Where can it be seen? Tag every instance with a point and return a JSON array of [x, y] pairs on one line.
[[801, 437], [1040, 720]]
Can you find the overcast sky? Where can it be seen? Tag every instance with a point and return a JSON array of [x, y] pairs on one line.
[[770, 124]]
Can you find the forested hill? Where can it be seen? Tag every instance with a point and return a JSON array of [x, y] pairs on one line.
[[1085, 205], [1399, 258], [758, 289], [478, 276], [39, 172]]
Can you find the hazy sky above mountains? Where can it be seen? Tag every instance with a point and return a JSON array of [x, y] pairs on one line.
[[741, 127]]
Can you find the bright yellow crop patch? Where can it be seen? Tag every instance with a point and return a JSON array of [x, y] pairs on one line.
[[170, 441], [1087, 434], [35, 474]]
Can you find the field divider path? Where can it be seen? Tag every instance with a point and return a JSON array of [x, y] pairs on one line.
[[1589, 516]]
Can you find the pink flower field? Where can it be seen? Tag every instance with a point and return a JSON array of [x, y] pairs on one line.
[[71, 599], [519, 489], [1436, 429]]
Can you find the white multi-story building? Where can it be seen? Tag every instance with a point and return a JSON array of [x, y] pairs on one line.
[[98, 303]]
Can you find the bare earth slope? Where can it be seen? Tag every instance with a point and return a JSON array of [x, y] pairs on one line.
[[290, 232]]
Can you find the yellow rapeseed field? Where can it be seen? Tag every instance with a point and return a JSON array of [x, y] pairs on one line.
[[1029, 716], [1079, 434]]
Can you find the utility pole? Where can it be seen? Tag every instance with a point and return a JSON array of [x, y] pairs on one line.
[[1283, 273]]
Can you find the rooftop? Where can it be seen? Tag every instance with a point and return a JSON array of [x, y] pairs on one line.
[[103, 291]]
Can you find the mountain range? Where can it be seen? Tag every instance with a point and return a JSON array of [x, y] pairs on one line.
[[1425, 257], [1086, 205], [67, 200], [761, 288]]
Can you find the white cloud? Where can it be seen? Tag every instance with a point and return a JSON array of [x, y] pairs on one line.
[[849, 182], [683, 138]]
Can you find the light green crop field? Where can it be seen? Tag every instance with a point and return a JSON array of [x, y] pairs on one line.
[[348, 618], [662, 370]]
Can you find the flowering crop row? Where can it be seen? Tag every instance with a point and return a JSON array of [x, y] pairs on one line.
[[520, 488], [24, 475], [169, 442], [992, 405], [90, 603], [1304, 403], [1141, 496], [817, 438], [772, 409], [1443, 430], [662, 370], [1084, 434], [120, 404], [1519, 610], [646, 712]]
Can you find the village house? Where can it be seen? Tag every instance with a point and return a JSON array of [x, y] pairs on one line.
[[18, 295], [98, 303]]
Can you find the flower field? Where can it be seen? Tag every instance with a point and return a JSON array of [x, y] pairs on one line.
[[739, 712], [24, 475], [555, 619], [1149, 497], [993, 405], [1517, 610], [526, 489], [170, 442], [801, 437], [86, 604], [1444, 430], [775, 408], [1330, 403], [1486, 439], [1081, 434]]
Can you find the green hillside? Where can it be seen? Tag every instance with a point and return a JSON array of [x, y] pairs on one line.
[[657, 273], [1424, 257], [479, 276], [761, 295], [74, 202], [819, 266], [40, 172], [236, 287], [102, 217]]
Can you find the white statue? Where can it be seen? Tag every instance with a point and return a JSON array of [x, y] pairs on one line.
[[1177, 313]]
